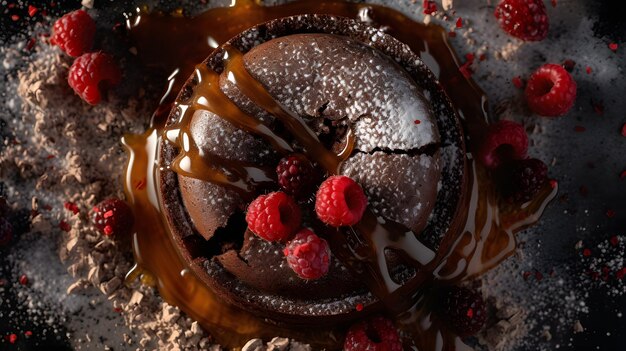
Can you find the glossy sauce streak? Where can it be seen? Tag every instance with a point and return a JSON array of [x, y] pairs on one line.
[[178, 44]]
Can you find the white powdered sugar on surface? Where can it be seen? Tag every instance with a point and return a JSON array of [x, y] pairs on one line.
[[350, 81]]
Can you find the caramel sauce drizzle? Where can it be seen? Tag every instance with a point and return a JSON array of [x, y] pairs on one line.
[[176, 44], [372, 234]]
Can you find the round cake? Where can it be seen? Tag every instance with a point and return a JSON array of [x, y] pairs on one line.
[[359, 91]]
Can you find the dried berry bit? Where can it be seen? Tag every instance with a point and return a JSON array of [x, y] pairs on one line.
[[64, 226], [523, 19], [70, 206], [32, 10], [274, 217], [12, 338], [340, 201], [463, 310], [295, 174], [518, 82], [569, 65], [613, 47], [74, 33], [6, 232], [308, 255], [430, 7], [521, 180], [505, 140], [23, 280], [113, 217], [551, 91], [376, 334], [92, 72]]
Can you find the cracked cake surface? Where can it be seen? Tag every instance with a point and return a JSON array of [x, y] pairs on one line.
[[334, 76]]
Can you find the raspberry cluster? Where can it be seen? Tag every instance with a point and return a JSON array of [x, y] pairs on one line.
[[91, 73], [277, 216]]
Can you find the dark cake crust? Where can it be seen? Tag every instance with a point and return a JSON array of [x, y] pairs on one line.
[[276, 295]]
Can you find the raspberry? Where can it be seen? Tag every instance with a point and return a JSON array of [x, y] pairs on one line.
[[6, 232], [74, 33], [295, 174], [91, 72], [113, 217], [463, 310], [550, 91], [274, 217], [521, 180], [504, 140], [523, 19], [340, 201], [376, 334], [308, 255]]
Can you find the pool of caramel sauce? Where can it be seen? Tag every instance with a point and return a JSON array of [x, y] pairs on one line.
[[176, 44]]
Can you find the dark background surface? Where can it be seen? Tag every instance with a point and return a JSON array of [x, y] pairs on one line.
[[604, 329]]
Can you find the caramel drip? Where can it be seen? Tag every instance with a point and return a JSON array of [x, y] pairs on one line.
[[176, 44], [489, 234], [349, 147]]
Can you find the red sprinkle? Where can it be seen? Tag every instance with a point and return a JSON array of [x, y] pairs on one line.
[[30, 44], [580, 129], [614, 240], [470, 313], [23, 279], [108, 230], [586, 252], [417, 121], [117, 309], [12, 338], [452, 34], [459, 23], [610, 213], [613, 47], [469, 57], [554, 183], [15, 18], [588, 69], [64, 226], [70, 206], [482, 57], [32, 10], [518, 82], [359, 307], [28, 333]]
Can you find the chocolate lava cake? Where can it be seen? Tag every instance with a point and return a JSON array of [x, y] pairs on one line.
[[338, 75]]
